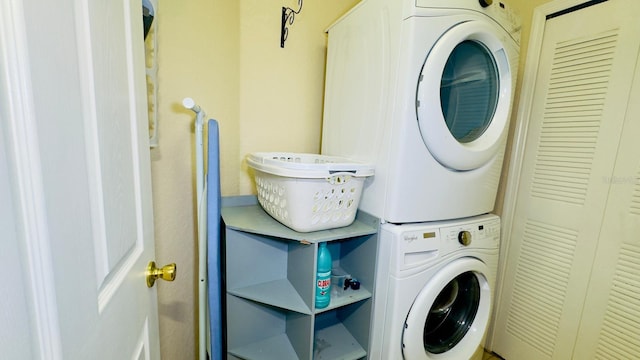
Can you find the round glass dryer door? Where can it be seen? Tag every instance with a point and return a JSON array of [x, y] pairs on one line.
[[469, 91], [449, 316], [464, 96]]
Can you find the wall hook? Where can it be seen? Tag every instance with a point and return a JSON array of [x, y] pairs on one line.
[[288, 16]]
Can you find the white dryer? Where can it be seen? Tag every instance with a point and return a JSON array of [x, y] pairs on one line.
[[434, 288], [423, 89]]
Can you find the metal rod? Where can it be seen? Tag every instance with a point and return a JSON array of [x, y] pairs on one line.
[[189, 104]]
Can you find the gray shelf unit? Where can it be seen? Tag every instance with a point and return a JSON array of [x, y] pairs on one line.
[[270, 287]]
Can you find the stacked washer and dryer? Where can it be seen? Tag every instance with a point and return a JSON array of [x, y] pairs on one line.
[[423, 89]]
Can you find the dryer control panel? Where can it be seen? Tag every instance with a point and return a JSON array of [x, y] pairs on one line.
[[498, 10]]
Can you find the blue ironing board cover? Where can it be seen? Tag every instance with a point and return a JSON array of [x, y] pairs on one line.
[[213, 242]]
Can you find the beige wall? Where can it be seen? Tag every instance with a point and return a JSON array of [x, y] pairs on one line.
[[281, 89], [226, 55]]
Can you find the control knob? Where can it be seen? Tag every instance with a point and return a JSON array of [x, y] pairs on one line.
[[464, 237]]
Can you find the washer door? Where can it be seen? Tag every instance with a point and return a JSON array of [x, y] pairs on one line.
[[464, 96], [449, 316]]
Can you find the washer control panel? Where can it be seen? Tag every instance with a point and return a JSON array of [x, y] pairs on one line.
[[421, 244], [484, 234]]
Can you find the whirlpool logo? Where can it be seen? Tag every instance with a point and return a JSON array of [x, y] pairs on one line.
[[411, 238]]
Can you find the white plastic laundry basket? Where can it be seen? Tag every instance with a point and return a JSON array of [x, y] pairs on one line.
[[309, 192]]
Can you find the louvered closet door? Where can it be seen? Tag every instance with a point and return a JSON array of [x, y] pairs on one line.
[[610, 326], [581, 93]]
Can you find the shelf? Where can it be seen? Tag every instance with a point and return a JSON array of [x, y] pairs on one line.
[[262, 332], [279, 293], [277, 347], [245, 214], [270, 270], [336, 342], [350, 297], [270, 274]]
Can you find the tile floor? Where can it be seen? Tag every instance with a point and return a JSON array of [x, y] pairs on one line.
[[490, 356]]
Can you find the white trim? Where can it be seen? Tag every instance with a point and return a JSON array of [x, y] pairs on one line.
[[142, 346], [530, 75], [94, 172], [117, 276], [28, 191], [139, 118]]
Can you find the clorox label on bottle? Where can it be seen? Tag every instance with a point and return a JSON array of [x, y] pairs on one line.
[[323, 277], [324, 282]]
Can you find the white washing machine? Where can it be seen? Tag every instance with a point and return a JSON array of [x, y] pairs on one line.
[[434, 288], [423, 89]]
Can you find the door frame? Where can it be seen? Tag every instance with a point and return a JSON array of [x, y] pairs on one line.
[[521, 122], [22, 147]]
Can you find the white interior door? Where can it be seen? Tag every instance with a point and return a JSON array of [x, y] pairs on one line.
[[575, 120], [77, 139], [610, 325]]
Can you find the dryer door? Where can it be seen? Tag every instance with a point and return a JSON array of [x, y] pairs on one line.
[[449, 316], [464, 96]]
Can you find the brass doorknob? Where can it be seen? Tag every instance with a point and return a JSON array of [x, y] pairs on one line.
[[167, 272]]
